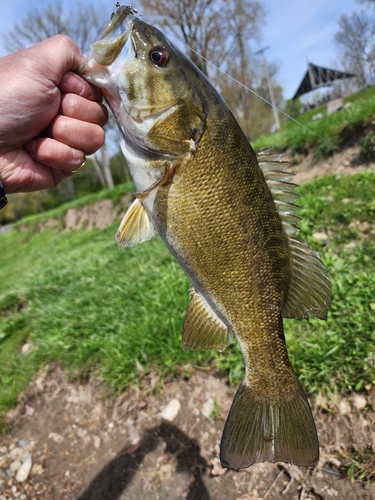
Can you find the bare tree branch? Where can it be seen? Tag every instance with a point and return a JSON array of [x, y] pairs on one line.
[[81, 22], [356, 44]]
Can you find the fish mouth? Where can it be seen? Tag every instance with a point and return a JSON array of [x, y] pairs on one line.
[[121, 22], [110, 43]]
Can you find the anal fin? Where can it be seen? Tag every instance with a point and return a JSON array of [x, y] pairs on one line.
[[202, 328], [136, 226], [260, 429]]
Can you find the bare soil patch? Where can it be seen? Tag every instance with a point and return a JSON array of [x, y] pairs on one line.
[[345, 162]]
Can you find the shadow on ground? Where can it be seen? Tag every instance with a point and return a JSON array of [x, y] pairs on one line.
[[113, 480]]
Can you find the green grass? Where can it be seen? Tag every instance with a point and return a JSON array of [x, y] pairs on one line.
[[336, 128], [339, 354], [90, 306], [80, 300]]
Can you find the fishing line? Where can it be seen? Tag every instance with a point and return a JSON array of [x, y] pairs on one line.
[[268, 102]]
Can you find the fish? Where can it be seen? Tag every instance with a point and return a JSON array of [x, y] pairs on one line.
[[227, 215]]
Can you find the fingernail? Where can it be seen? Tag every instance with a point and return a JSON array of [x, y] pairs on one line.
[[30, 146]]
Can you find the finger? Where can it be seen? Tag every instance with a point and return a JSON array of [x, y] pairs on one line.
[[78, 134], [74, 106], [72, 83], [55, 154]]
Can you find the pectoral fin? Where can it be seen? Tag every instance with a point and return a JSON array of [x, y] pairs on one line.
[[136, 226], [169, 171], [202, 328]]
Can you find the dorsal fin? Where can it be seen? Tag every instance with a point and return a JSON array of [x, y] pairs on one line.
[[202, 328], [310, 288]]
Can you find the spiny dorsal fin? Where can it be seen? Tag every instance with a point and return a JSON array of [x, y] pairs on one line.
[[277, 179], [310, 288], [136, 226], [202, 328]]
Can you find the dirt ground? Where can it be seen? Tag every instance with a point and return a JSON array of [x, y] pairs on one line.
[[85, 445], [345, 162]]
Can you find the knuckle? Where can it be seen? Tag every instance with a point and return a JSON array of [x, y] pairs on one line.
[[70, 105]]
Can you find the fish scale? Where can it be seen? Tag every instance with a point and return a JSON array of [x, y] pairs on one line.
[[227, 214]]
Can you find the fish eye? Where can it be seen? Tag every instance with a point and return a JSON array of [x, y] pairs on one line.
[[158, 56]]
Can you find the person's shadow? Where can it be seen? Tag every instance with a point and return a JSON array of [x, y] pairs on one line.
[[114, 478]]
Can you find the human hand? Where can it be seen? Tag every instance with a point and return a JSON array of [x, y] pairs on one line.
[[50, 117]]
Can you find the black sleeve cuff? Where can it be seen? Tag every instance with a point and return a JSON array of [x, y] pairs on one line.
[[3, 198]]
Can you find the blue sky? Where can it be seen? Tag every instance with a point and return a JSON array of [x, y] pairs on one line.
[[293, 29]]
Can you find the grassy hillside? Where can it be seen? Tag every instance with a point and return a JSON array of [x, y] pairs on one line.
[[75, 297], [337, 128]]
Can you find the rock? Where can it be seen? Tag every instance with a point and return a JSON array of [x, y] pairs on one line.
[[55, 437], [359, 402], [4, 461], [26, 454], [36, 469], [24, 471], [344, 407], [217, 469], [170, 412], [15, 465], [29, 411], [25, 348], [133, 433], [81, 433], [97, 441], [320, 236], [208, 408], [334, 461], [16, 452], [321, 402]]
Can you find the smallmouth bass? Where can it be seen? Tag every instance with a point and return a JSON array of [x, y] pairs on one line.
[[228, 217]]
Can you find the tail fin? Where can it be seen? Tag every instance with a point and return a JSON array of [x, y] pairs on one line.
[[261, 429]]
